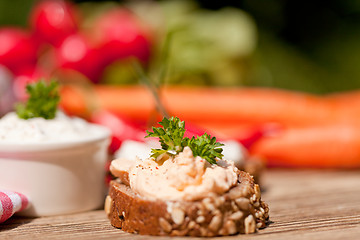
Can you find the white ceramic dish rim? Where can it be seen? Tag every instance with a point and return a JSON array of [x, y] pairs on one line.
[[26, 146]]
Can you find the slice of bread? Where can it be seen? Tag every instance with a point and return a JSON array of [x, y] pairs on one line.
[[240, 210]]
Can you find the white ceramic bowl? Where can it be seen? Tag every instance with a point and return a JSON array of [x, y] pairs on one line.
[[58, 178]]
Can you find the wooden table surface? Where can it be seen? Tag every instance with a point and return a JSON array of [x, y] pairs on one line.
[[304, 204]]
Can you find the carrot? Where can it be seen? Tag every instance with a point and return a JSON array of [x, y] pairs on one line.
[[345, 98], [73, 102], [238, 130], [332, 146], [245, 105], [134, 102], [203, 105]]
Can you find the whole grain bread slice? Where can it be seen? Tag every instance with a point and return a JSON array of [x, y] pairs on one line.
[[239, 210]]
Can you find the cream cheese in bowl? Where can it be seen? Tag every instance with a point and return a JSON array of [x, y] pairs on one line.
[[58, 163]]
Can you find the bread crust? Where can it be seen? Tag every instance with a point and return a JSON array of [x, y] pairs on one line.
[[239, 210], [255, 167]]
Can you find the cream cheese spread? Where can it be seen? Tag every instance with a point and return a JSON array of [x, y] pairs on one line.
[[183, 177], [130, 149], [37, 130]]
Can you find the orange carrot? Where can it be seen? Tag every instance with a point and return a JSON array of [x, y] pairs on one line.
[[133, 101], [333, 146], [352, 97], [208, 105], [73, 101], [246, 105], [237, 130]]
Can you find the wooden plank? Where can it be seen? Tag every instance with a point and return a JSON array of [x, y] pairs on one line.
[[304, 204]]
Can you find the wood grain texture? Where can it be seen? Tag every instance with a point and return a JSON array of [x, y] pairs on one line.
[[304, 204]]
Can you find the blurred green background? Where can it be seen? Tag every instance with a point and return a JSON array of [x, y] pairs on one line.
[[310, 46]]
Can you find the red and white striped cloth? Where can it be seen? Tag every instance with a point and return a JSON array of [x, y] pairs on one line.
[[10, 203]]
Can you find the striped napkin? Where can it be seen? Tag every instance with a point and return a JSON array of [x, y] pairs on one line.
[[10, 203]]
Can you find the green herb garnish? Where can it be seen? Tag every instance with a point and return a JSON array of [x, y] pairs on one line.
[[206, 147], [171, 137], [42, 102]]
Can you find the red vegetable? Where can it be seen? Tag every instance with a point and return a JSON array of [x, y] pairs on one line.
[[77, 53], [17, 49], [119, 35], [53, 20]]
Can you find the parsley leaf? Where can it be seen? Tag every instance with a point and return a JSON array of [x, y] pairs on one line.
[[206, 147], [171, 137], [42, 102]]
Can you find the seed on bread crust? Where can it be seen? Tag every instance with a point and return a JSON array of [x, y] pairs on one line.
[[234, 207], [243, 203], [257, 191], [215, 223], [253, 198], [191, 224], [208, 205], [235, 193], [165, 225], [230, 227], [177, 215], [236, 215], [219, 201], [203, 231], [108, 205], [200, 219], [250, 225], [179, 232]]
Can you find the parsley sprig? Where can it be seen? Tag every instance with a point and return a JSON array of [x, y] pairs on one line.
[[206, 147], [171, 137], [42, 102]]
